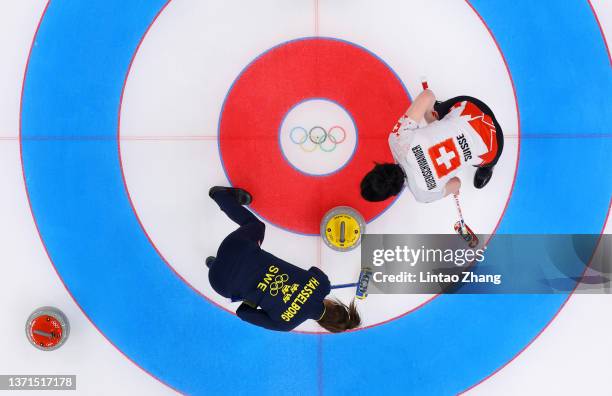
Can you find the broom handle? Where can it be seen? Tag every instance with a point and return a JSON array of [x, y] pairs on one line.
[[459, 210]]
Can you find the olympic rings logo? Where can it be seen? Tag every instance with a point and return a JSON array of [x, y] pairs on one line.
[[318, 138], [279, 282]]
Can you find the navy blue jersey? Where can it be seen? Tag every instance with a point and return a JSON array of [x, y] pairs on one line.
[[280, 295]]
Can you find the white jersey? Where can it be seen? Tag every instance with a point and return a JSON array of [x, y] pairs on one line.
[[430, 156]]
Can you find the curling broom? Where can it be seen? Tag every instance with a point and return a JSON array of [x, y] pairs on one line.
[[462, 229]]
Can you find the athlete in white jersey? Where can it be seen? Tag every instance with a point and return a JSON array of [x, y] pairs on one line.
[[429, 152]]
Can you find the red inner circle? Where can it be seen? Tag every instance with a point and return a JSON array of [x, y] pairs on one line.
[[47, 324], [261, 97]]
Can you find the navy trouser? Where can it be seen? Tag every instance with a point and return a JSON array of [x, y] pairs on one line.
[[233, 265], [251, 228]]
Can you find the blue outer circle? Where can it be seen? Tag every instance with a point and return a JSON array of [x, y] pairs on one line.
[[72, 172]]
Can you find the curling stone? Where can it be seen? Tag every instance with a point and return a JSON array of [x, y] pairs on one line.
[[341, 228], [47, 328]]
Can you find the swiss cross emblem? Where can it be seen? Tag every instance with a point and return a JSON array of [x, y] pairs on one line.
[[445, 157]]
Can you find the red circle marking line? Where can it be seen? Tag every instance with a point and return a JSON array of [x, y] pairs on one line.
[[268, 88]]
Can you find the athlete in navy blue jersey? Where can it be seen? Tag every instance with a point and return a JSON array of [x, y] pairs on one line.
[[276, 295]]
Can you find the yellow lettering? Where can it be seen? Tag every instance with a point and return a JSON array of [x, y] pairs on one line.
[[301, 297], [268, 278], [313, 283], [262, 286], [273, 269]]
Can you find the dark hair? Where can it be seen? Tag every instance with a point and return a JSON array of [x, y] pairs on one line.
[[382, 182], [339, 317]]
